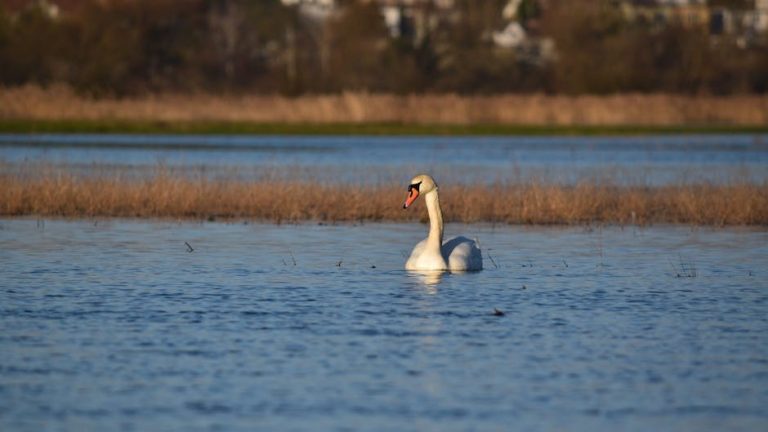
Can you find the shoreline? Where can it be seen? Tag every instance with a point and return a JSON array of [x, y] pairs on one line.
[[586, 227], [36, 126]]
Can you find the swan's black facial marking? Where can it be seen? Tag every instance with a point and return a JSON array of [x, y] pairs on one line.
[[413, 193]]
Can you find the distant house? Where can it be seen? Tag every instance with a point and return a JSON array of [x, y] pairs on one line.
[[409, 19], [413, 19], [526, 45], [745, 25], [512, 36]]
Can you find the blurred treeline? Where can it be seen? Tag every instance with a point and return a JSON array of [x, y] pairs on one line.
[[124, 47]]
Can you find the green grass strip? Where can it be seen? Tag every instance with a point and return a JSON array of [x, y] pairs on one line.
[[227, 128]]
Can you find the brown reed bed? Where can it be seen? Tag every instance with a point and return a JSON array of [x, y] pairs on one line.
[[59, 103], [164, 196]]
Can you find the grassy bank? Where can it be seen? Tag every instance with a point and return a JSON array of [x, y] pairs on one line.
[[58, 109], [162, 196], [376, 129]]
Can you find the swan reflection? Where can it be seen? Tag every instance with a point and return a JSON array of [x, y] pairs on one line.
[[428, 279]]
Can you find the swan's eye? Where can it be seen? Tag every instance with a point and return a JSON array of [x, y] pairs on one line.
[[414, 186]]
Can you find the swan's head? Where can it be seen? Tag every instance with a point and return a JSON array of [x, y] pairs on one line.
[[419, 185]]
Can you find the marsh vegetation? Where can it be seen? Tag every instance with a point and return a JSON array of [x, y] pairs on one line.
[[167, 196], [61, 104]]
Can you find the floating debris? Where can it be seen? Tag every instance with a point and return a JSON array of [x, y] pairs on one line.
[[189, 248]]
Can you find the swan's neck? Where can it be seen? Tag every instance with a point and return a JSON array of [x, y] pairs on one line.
[[435, 238]]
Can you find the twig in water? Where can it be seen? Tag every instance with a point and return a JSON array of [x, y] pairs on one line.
[[293, 258], [189, 248], [685, 269], [492, 260], [674, 269], [600, 245], [566, 264]]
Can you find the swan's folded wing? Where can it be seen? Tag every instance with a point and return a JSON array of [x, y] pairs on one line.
[[463, 254]]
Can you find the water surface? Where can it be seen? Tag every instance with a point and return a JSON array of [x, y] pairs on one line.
[[650, 160], [119, 325]]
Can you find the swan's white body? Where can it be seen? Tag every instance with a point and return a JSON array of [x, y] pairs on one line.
[[455, 254]]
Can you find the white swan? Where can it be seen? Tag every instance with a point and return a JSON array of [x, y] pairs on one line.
[[456, 254]]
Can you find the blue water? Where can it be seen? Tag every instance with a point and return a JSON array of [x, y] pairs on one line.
[[119, 325], [650, 160]]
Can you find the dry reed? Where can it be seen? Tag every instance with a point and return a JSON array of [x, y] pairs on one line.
[[61, 103], [163, 196]]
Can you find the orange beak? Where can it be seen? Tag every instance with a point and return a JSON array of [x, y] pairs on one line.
[[412, 195]]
